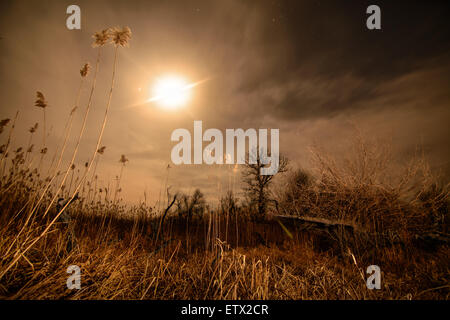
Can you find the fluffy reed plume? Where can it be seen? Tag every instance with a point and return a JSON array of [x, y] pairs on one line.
[[120, 37], [101, 150], [40, 100], [101, 38], [34, 128], [85, 70], [123, 159], [3, 124]]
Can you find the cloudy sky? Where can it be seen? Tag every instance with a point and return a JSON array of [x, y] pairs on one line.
[[309, 68]]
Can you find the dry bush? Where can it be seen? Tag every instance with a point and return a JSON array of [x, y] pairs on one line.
[[366, 189]]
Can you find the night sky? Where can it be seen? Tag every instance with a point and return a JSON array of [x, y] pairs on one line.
[[309, 68]]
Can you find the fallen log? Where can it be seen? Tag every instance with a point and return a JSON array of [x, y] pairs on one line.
[[318, 223], [334, 227]]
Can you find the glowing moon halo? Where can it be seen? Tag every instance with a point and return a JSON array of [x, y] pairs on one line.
[[171, 92]]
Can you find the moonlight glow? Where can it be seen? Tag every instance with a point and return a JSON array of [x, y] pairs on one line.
[[171, 92]]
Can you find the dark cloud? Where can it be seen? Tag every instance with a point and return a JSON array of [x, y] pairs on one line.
[[327, 61]]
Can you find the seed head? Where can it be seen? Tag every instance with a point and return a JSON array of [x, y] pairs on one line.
[[40, 100], [3, 123], [85, 70], [120, 37], [101, 150], [101, 38], [123, 159], [34, 128]]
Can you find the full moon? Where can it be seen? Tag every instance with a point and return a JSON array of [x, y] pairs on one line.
[[171, 92]]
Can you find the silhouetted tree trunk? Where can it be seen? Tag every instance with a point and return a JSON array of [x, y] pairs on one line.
[[257, 185]]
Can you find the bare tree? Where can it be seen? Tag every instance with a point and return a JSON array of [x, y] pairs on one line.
[[256, 184], [189, 205], [228, 203]]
